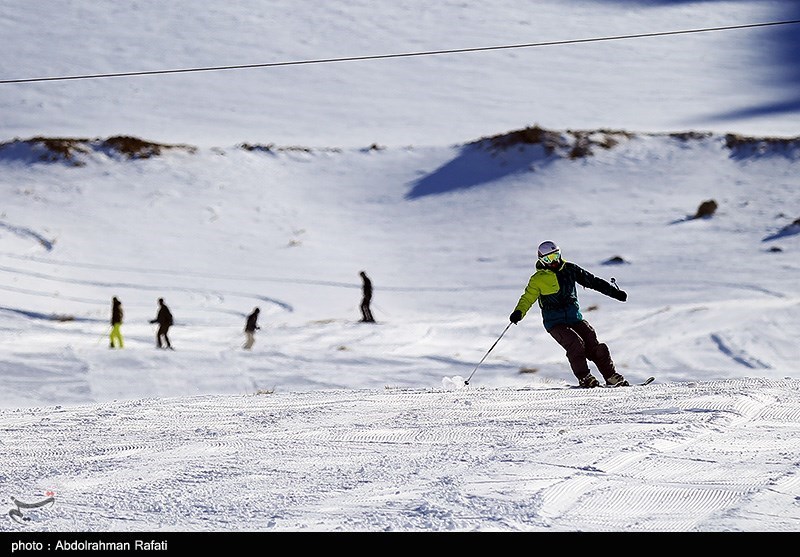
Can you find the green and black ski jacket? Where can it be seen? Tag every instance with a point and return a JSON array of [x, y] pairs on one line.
[[557, 295]]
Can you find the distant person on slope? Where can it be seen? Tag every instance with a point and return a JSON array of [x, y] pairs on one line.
[[366, 298], [553, 286], [115, 340], [164, 320], [250, 328]]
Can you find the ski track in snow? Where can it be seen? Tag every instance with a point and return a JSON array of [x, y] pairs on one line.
[[737, 355], [61, 280], [548, 466], [28, 233]]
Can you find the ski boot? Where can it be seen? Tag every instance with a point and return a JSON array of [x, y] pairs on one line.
[[616, 380]]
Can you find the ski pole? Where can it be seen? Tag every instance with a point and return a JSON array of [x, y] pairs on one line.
[[614, 282], [103, 335], [487, 353]]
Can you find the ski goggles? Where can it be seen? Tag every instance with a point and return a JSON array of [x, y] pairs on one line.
[[550, 258]]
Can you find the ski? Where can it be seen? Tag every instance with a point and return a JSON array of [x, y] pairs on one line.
[[642, 384]]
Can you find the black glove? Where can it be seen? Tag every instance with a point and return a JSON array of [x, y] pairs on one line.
[[620, 295], [515, 317]]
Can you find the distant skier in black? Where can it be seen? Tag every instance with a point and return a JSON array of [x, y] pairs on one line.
[[250, 328], [366, 299], [115, 338], [164, 320]]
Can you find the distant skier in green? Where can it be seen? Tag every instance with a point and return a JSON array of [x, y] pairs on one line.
[[553, 286], [115, 340]]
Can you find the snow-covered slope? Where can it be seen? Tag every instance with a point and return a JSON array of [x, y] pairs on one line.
[[447, 234]]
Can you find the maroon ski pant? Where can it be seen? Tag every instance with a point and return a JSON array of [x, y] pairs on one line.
[[580, 341]]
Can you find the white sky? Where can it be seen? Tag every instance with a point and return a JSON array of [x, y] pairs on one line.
[[333, 425]]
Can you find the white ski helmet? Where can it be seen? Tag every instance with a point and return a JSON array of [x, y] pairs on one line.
[[549, 253]]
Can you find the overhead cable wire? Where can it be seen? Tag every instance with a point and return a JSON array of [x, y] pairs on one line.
[[396, 55]]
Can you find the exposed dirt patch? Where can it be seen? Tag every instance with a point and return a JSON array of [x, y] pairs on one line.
[[75, 151], [135, 148], [572, 144]]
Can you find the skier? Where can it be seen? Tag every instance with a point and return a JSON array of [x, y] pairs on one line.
[[553, 285], [366, 299], [164, 320], [250, 328], [115, 340]]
